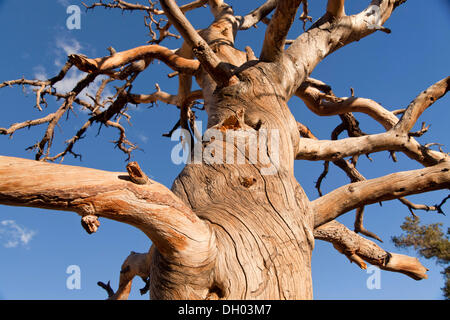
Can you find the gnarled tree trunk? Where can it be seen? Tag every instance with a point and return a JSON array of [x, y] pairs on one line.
[[230, 229]]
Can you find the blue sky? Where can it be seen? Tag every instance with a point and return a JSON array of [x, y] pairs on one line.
[[37, 246]]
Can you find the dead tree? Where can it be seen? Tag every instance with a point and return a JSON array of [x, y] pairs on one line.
[[230, 230]]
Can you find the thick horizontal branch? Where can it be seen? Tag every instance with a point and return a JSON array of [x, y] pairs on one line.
[[331, 150], [359, 249], [393, 186], [151, 207], [317, 102], [147, 53]]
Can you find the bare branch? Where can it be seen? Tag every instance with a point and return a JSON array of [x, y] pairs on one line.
[[421, 103], [388, 187], [305, 132], [120, 4], [42, 84], [136, 264], [359, 226], [329, 34], [310, 149], [149, 20], [322, 104], [395, 139], [211, 63], [251, 19], [276, 33], [146, 53], [304, 16], [164, 97], [166, 220], [359, 249]]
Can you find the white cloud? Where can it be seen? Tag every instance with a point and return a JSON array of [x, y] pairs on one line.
[[143, 137], [64, 47], [73, 77], [40, 73], [13, 235], [68, 45], [64, 3]]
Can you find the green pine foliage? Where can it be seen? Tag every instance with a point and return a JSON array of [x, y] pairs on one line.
[[430, 242]]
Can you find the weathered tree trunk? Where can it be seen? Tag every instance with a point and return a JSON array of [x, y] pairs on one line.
[[263, 222], [237, 224]]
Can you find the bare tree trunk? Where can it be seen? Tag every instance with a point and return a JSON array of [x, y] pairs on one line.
[[236, 224], [263, 222]]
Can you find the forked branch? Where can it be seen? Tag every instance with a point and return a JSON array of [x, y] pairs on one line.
[[324, 104], [331, 32], [388, 187], [397, 138], [219, 71]]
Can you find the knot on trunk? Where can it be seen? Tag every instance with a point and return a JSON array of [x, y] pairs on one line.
[[233, 122], [247, 182], [136, 174]]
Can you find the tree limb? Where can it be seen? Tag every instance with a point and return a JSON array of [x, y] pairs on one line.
[[276, 33], [359, 249], [323, 105], [397, 138], [164, 97], [149, 52], [388, 187], [332, 150], [136, 264], [421, 103], [356, 176], [251, 19], [329, 34], [219, 71], [175, 230]]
